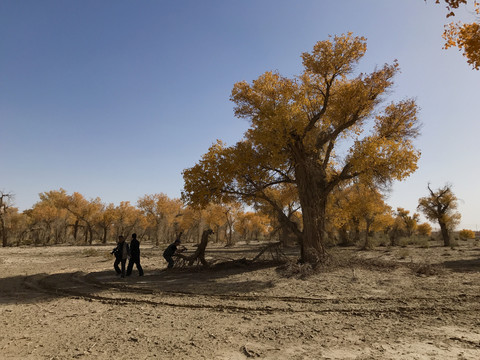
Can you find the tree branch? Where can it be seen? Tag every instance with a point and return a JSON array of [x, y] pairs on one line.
[[318, 116]]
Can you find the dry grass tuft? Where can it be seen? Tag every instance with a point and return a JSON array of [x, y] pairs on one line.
[[427, 269], [296, 270], [403, 253]]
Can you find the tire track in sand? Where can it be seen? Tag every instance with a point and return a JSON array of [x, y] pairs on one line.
[[83, 286]]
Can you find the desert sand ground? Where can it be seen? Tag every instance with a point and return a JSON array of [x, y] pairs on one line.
[[66, 302]]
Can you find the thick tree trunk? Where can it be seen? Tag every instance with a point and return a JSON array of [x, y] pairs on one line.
[[48, 232], [284, 235], [314, 236], [200, 252], [312, 192], [445, 234], [65, 232], [356, 228], [4, 238], [90, 232], [105, 233], [56, 235], [4, 233], [230, 241], [86, 234], [75, 230], [393, 238], [344, 236], [3, 211], [367, 245]]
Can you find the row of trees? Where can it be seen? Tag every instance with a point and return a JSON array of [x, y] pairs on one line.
[[62, 218], [353, 215]]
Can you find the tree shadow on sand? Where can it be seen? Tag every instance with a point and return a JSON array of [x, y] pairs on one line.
[[463, 266], [196, 281]]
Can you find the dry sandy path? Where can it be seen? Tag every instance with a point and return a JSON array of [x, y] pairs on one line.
[[66, 302]]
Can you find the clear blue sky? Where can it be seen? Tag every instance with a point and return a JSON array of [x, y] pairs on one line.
[[115, 98]]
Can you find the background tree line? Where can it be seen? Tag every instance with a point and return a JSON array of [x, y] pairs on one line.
[[59, 218], [357, 215]]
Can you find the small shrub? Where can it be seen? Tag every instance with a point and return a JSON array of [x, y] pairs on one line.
[[453, 243], [427, 269], [405, 241], [370, 245], [403, 253], [381, 241], [424, 229], [423, 242], [466, 234], [292, 269]]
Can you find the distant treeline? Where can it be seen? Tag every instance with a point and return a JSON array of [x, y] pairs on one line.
[[356, 214]]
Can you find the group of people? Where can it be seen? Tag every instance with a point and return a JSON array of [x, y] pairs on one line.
[[124, 251]]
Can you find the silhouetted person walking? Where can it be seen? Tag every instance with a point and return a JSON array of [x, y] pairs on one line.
[[121, 252], [134, 256]]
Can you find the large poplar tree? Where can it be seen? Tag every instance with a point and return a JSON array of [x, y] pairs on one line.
[[310, 132]]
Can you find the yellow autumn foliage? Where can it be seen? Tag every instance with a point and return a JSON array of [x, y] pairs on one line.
[[464, 36], [301, 133]]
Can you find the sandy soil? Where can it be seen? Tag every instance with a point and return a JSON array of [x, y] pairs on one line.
[[403, 303]]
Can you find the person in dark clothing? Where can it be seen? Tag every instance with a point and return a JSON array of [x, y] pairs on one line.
[[172, 249], [134, 256], [121, 252], [169, 251]]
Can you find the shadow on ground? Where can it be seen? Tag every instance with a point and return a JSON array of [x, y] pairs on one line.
[[44, 287], [468, 265]]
